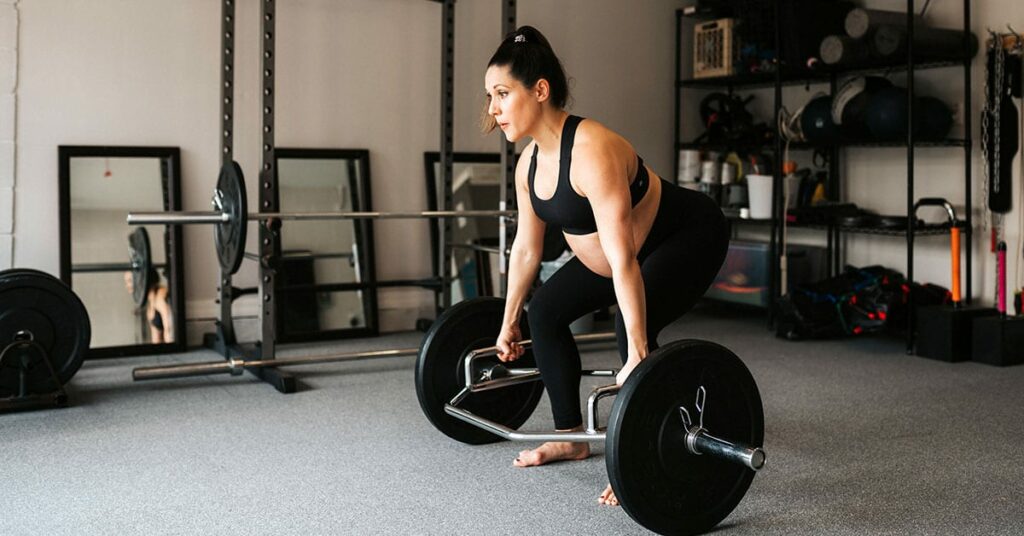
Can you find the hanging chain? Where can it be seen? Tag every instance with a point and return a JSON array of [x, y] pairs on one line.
[[986, 156]]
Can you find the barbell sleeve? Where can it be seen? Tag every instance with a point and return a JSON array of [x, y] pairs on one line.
[[701, 442], [176, 218]]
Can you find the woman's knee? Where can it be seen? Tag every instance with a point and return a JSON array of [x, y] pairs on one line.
[[543, 313]]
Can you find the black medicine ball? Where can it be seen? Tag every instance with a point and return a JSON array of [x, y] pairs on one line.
[[850, 104], [886, 114], [932, 119], [816, 121]]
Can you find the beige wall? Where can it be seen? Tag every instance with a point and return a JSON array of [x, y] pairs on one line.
[[364, 74]]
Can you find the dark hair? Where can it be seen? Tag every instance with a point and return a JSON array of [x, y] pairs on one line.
[[529, 57], [154, 279]]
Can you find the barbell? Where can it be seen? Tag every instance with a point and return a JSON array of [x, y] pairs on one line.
[[230, 216], [681, 445]]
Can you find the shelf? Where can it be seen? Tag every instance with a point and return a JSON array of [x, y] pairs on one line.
[[922, 230], [805, 146], [940, 229], [817, 76]]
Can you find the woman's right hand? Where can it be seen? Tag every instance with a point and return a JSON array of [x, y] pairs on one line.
[[508, 343]]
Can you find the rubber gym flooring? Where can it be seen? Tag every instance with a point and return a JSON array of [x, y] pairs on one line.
[[861, 439]]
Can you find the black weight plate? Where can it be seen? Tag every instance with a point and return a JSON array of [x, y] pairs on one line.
[[141, 262], [38, 303], [467, 326], [229, 237], [656, 480]]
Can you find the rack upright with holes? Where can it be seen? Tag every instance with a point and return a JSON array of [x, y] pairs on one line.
[[783, 76], [224, 340]]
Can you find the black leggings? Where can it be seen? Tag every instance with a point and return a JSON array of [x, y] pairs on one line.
[[679, 260]]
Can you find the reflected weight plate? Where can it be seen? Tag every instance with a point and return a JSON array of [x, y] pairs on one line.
[[37, 305], [658, 482], [141, 262], [467, 326], [229, 236]]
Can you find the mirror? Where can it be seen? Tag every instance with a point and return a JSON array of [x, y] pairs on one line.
[[104, 259], [476, 185], [325, 285]]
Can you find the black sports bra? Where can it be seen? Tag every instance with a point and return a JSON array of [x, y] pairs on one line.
[[567, 209]]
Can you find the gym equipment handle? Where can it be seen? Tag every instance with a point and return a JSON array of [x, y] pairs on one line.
[[954, 239]]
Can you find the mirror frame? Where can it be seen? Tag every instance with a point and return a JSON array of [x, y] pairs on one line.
[[364, 236], [430, 160], [171, 157]]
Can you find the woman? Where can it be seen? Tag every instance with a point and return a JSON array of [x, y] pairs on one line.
[[157, 308], [639, 241]]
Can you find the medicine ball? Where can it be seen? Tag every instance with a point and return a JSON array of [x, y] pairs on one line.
[[886, 114], [932, 119], [816, 121], [850, 104]]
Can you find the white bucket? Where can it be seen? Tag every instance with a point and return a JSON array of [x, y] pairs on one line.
[[689, 166], [759, 192]]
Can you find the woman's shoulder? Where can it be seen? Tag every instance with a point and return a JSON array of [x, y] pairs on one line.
[[160, 292], [594, 137], [523, 163]]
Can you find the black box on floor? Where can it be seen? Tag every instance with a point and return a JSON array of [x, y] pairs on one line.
[[944, 332], [998, 341]]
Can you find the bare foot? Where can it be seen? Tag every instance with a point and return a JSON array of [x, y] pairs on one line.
[[552, 452], [608, 497]]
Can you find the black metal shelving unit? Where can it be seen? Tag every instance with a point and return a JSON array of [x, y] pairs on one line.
[[782, 77]]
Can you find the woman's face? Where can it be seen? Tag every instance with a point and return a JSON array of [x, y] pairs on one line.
[[512, 105]]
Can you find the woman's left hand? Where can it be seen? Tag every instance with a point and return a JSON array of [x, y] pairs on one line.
[[634, 359]]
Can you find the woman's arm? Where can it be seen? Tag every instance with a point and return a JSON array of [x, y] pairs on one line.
[[602, 178], [524, 258]]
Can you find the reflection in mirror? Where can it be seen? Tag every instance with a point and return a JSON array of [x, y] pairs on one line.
[[327, 270], [128, 277], [476, 185]]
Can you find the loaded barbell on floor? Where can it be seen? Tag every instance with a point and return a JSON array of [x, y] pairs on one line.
[[671, 472], [231, 216]]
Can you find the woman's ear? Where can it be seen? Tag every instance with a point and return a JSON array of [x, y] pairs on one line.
[[542, 90]]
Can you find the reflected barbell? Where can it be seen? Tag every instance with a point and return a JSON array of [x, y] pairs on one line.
[[231, 216]]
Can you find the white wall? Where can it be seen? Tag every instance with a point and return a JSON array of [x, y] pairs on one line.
[[363, 74], [350, 74], [8, 109]]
